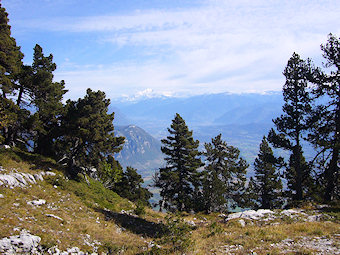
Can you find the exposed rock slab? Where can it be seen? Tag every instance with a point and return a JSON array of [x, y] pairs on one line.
[[12, 180], [25, 243]]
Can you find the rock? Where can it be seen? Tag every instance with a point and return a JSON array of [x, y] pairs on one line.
[[9, 181], [25, 243], [22, 180], [54, 216], [190, 223], [74, 250], [242, 223], [53, 250], [30, 178], [49, 173], [322, 206], [292, 212], [250, 214], [313, 218], [37, 202]]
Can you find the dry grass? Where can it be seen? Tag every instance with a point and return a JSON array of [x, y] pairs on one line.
[[87, 224]]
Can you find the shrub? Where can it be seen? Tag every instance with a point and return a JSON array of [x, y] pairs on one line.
[[178, 234]]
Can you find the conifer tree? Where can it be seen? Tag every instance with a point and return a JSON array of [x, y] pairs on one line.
[[12, 117], [293, 124], [223, 176], [179, 180], [266, 186], [10, 56], [87, 130], [46, 96], [131, 188], [326, 130]]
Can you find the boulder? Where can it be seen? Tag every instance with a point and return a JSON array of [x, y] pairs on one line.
[[25, 243]]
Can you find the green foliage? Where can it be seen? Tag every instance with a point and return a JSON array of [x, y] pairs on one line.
[[223, 176], [87, 130], [325, 135], [92, 193], [10, 56], [265, 189], [110, 172], [140, 209], [215, 229], [178, 234], [179, 180], [293, 124], [131, 188], [46, 97]]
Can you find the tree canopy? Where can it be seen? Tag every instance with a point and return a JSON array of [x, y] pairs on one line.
[[179, 179]]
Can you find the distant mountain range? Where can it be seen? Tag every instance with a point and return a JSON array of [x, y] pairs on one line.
[[242, 119]]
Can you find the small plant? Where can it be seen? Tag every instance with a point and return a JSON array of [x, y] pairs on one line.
[[215, 229], [110, 248], [178, 234], [140, 209]]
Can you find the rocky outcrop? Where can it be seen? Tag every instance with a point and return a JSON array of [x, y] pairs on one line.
[[25, 243], [17, 179], [268, 216]]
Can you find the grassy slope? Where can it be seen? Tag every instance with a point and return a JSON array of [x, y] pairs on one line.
[[91, 213]]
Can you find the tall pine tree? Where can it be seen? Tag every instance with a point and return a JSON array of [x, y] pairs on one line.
[[10, 56], [326, 132], [12, 117], [266, 186], [293, 125], [47, 98], [223, 176], [179, 179]]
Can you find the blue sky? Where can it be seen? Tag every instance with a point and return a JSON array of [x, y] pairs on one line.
[[135, 48]]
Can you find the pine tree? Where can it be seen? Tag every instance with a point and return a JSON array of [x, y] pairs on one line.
[[46, 96], [326, 131], [179, 179], [293, 125], [223, 176], [131, 188], [10, 56], [12, 117], [87, 133], [266, 186]]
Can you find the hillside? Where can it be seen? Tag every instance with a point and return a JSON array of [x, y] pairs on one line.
[[140, 150], [44, 212]]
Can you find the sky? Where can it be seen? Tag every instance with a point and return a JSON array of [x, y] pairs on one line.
[[145, 48]]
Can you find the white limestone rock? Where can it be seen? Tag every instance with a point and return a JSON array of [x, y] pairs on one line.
[[12, 180], [191, 223], [242, 223], [54, 216], [25, 243], [37, 202], [252, 214]]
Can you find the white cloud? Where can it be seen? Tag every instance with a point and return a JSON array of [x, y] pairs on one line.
[[234, 46]]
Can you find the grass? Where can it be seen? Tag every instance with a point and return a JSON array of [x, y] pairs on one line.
[[91, 217]]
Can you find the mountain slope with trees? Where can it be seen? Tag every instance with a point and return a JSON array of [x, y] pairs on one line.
[[58, 169]]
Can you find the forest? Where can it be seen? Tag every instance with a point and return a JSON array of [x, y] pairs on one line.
[[79, 135]]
